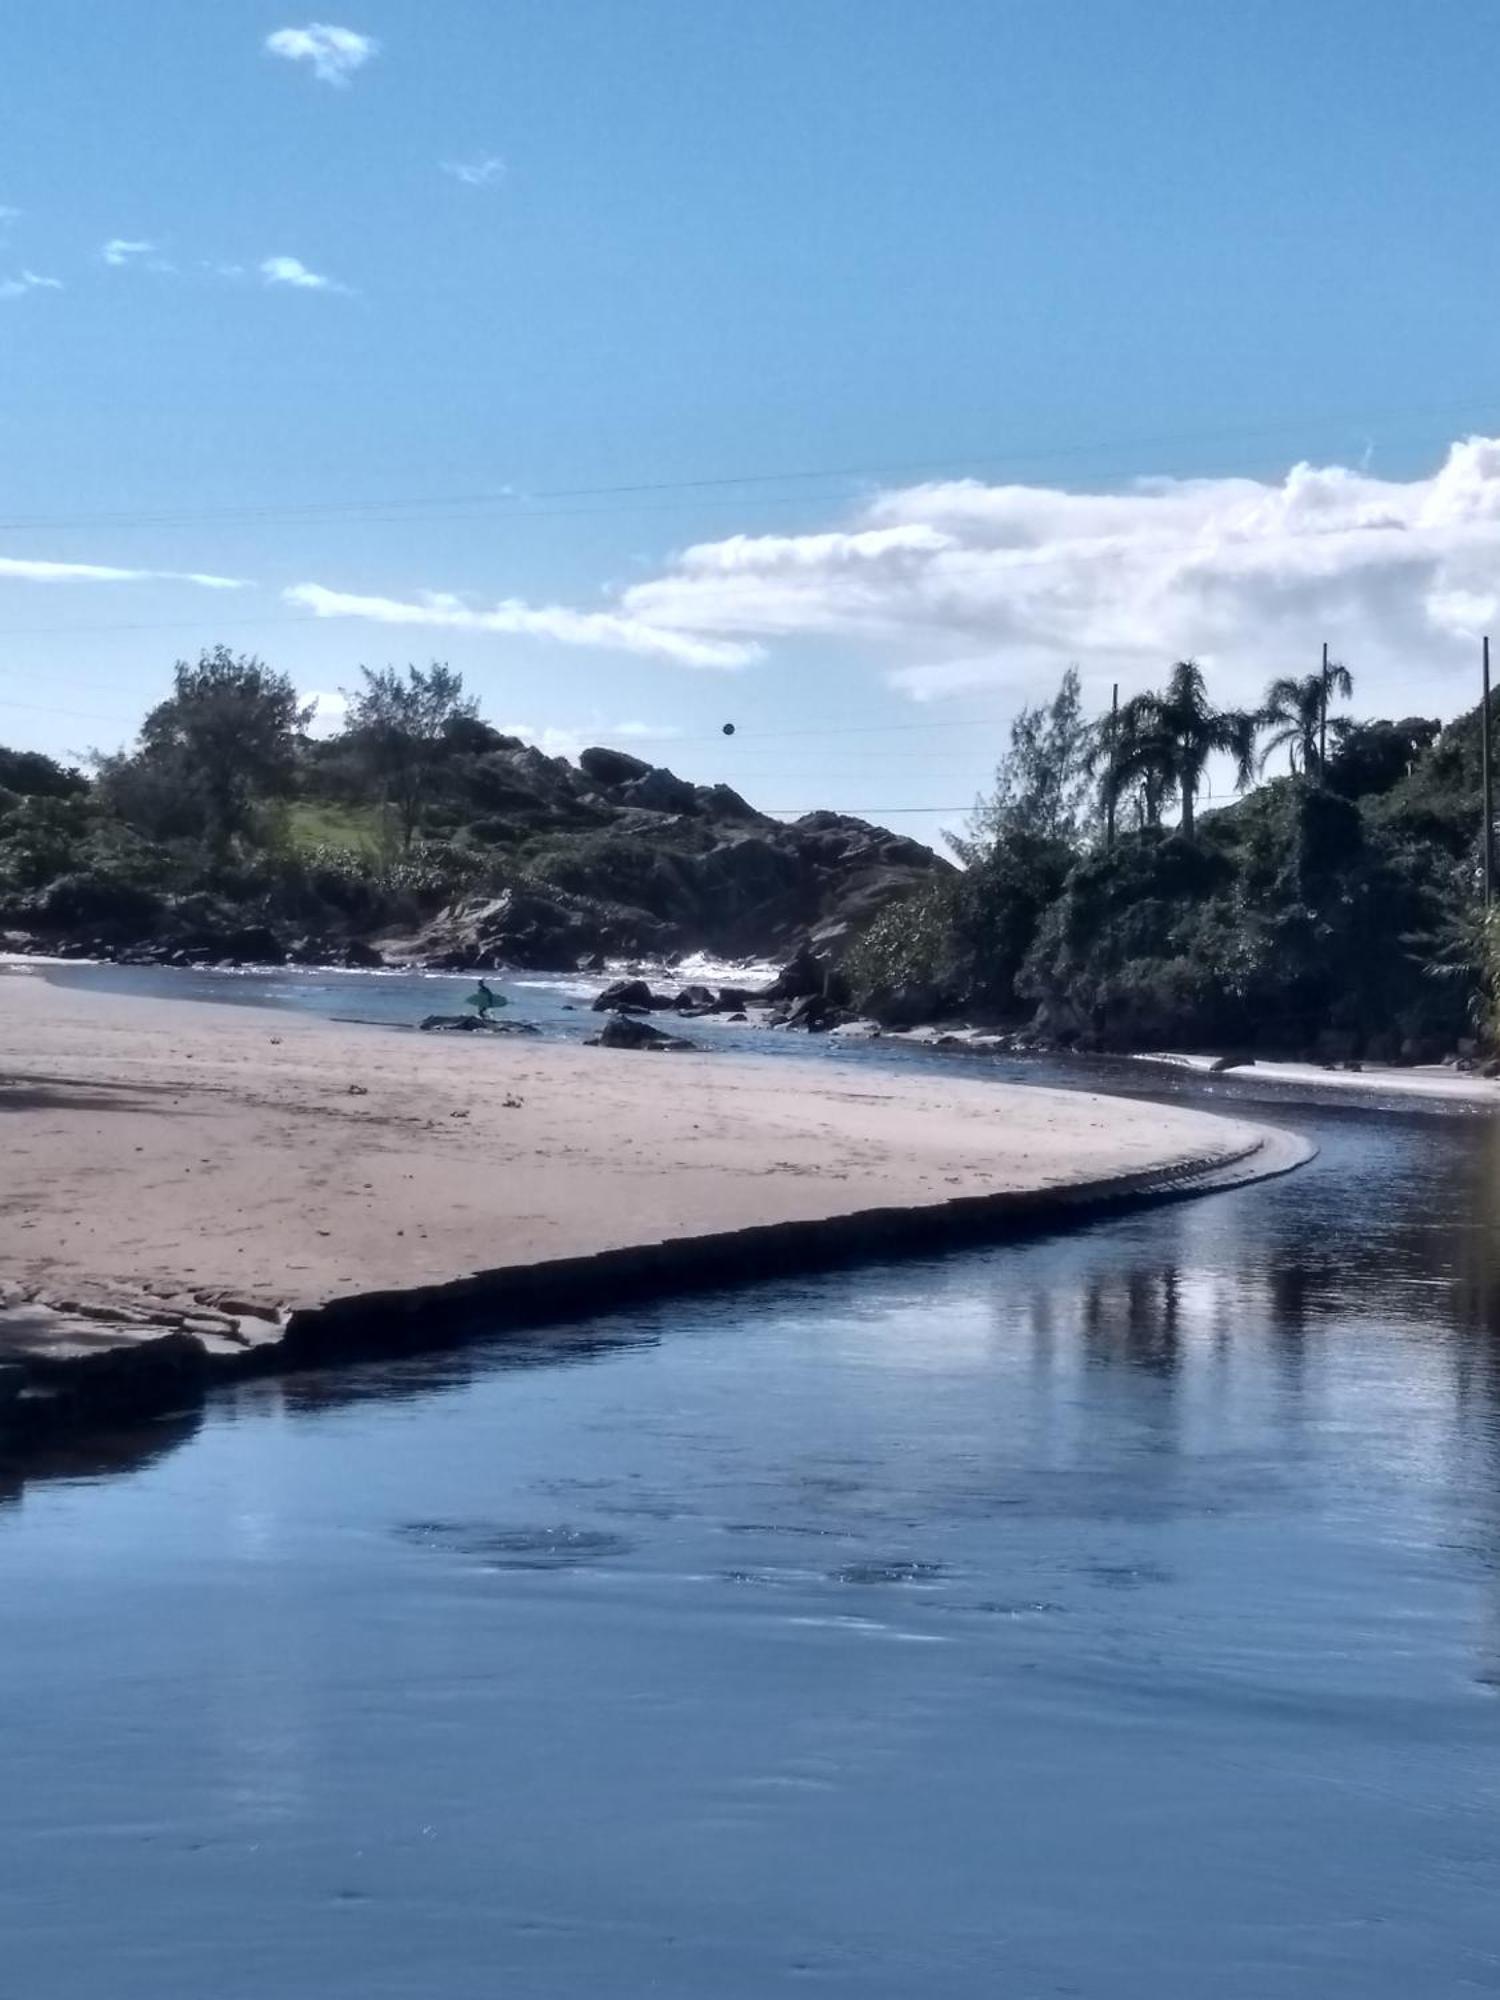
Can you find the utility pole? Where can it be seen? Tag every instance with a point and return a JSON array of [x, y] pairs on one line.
[[1488, 829], [1323, 717], [1109, 782]]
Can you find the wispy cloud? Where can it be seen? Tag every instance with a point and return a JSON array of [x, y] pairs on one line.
[[483, 170], [334, 53], [293, 272], [28, 281], [121, 252], [27, 569], [541, 621]]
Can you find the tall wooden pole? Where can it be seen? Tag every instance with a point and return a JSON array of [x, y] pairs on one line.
[[1323, 717], [1109, 782], [1488, 829]]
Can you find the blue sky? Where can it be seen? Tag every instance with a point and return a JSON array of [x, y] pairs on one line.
[[981, 267]]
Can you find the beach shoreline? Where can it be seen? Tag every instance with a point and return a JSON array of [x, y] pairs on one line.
[[201, 1192]]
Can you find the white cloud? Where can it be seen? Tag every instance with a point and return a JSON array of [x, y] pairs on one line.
[[958, 585], [551, 741], [28, 281], [120, 251], [329, 708], [513, 618], [31, 571], [292, 271], [652, 731], [558, 742], [483, 170], [335, 53]]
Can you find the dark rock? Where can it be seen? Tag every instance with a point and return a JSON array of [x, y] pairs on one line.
[[254, 944], [629, 996], [471, 1024], [542, 930], [912, 1002], [723, 802], [625, 1033], [696, 1000], [801, 975], [360, 957], [1336, 1044], [661, 791], [612, 767], [813, 1012]]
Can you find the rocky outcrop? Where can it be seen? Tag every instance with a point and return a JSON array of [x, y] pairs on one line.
[[542, 930], [609, 857], [617, 856]]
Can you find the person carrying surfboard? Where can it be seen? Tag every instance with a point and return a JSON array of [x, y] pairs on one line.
[[484, 1001]]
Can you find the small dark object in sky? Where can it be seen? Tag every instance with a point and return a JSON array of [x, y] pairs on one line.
[[729, 729]]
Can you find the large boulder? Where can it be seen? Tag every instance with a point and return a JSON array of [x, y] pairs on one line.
[[623, 1032], [803, 974], [536, 929], [658, 790], [629, 996], [612, 767], [724, 802]]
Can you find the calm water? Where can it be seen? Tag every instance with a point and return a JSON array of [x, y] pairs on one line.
[[1115, 1616]]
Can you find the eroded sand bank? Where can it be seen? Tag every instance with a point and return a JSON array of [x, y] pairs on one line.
[[227, 1171]]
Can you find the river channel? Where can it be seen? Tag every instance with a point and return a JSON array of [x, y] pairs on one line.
[[1115, 1615]]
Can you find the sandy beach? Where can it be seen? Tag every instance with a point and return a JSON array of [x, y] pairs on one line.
[[216, 1168], [1436, 1082]]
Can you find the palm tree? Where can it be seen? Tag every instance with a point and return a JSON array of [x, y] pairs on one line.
[[1132, 758], [1166, 740], [1296, 713]]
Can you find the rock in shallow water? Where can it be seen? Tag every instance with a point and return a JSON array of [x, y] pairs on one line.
[[471, 1024], [623, 1032]]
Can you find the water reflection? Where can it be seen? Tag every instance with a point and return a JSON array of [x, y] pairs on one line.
[[835, 1630]]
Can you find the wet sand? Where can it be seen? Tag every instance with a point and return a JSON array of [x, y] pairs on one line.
[[171, 1164]]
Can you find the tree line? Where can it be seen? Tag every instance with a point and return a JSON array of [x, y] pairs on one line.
[[231, 738], [1066, 776]]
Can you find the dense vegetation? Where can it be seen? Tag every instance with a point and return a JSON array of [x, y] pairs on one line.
[[228, 832], [1334, 910], [1104, 900]]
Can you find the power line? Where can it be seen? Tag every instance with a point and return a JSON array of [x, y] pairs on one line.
[[508, 497]]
